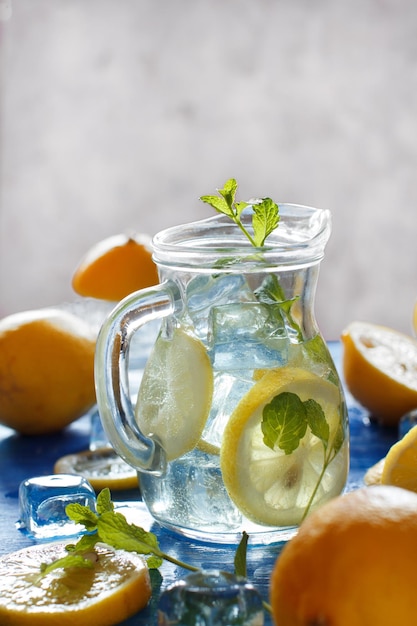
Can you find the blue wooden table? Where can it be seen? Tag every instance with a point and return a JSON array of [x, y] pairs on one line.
[[25, 457]]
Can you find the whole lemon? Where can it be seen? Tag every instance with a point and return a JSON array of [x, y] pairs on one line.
[[46, 370], [353, 561]]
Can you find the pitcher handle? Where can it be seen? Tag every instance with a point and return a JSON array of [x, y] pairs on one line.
[[111, 374]]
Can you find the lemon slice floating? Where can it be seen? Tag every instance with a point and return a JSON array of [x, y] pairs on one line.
[[400, 464], [380, 369], [269, 486], [117, 587], [102, 468], [176, 391]]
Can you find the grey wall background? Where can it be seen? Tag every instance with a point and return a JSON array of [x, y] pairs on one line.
[[119, 115]]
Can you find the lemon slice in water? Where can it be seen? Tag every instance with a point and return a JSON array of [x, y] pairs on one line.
[[176, 391], [267, 485]]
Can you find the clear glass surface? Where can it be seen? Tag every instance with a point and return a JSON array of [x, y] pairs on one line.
[[252, 310]]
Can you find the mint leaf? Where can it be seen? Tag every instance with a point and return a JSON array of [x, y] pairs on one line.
[[82, 515], [240, 556], [264, 221], [240, 207], [114, 530], [317, 421], [229, 191], [270, 290], [219, 204], [104, 502], [72, 560], [338, 440], [284, 422], [85, 544]]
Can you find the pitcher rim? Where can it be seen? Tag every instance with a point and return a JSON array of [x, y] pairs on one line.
[[299, 239]]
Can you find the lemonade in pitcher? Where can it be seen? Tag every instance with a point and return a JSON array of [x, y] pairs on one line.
[[240, 422]]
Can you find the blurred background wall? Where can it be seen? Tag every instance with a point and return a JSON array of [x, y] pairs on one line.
[[119, 115]]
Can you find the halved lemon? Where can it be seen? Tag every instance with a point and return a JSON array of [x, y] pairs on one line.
[[400, 465], [115, 267], [117, 587], [175, 394], [380, 369], [102, 468], [374, 474], [269, 486]]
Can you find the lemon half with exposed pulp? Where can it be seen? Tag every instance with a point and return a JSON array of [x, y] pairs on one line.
[[267, 485], [117, 587], [380, 369], [176, 392]]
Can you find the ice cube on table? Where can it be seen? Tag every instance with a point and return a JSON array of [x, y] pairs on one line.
[[42, 502], [211, 598]]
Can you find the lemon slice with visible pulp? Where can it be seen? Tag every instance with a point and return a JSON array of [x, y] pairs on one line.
[[176, 392], [117, 587], [102, 468], [269, 486]]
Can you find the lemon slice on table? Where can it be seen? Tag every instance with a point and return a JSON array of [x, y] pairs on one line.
[[380, 369], [175, 394], [400, 464], [267, 485], [115, 588], [102, 468]]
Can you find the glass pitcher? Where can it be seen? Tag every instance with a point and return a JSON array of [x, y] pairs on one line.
[[240, 422]]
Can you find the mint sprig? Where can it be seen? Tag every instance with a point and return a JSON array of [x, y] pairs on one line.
[[111, 527], [265, 218], [284, 423]]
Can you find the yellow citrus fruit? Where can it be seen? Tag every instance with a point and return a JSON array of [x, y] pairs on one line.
[[117, 587], [116, 267], [175, 394], [353, 561], [102, 468], [268, 485], [400, 466], [46, 370], [380, 370], [374, 474]]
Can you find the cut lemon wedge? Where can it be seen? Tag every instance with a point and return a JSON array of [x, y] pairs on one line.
[[400, 465], [373, 475], [380, 369], [115, 588], [102, 468], [175, 394], [115, 267], [269, 486]]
